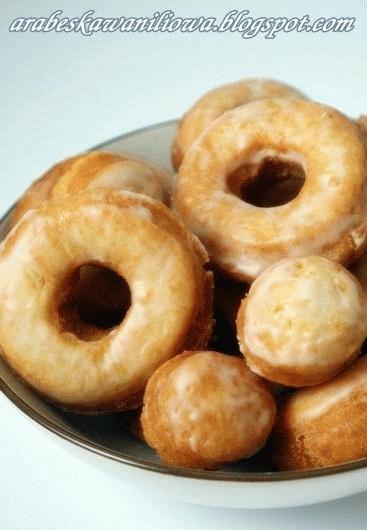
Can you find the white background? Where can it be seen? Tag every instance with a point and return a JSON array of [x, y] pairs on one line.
[[66, 92]]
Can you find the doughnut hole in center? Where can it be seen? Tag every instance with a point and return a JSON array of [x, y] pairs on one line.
[[273, 181], [92, 301]]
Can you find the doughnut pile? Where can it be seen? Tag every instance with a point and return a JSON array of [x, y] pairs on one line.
[[222, 311]]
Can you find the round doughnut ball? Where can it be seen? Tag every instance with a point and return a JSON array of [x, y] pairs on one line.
[[204, 409], [216, 102], [302, 322], [41, 189], [43, 337], [323, 425], [248, 149], [99, 169]]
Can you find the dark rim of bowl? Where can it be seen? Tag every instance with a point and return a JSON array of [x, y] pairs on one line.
[[122, 458]]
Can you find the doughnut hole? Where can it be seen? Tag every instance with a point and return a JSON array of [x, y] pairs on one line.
[[93, 300], [205, 409], [273, 182], [303, 321]]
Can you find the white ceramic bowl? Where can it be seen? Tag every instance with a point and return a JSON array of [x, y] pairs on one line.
[[104, 443]]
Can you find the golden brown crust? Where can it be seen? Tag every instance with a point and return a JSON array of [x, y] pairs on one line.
[[79, 176], [214, 103], [78, 173], [202, 326], [78, 219], [325, 425], [41, 189], [295, 376], [203, 409], [99, 169]]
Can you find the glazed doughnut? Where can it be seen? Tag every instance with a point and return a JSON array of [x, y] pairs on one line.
[[327, 217], [324, 425], [40, 190], [99, 169], [205, 409], [216, 102], [303, 321], [93, 170], [77, 366]]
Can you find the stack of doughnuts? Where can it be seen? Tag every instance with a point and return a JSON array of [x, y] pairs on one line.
[[223, 310]]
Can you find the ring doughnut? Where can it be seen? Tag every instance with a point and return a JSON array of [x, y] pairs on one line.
[[205, 409], [100, 169], [97, 287], [93, 170], [40, 190], [303, 321], [253, 143], [84, 368], [216, 102], [324, 425]]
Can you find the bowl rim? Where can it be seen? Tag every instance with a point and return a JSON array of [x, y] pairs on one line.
[[140, 463]]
